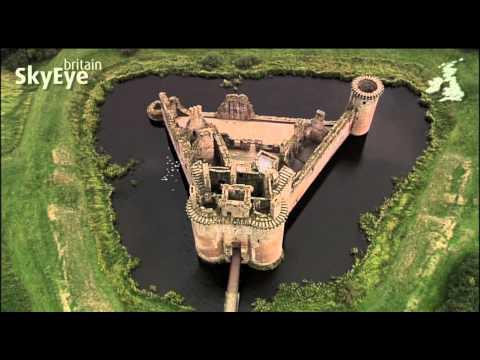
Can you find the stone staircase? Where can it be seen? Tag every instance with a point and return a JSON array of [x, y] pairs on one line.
[[283, 177], [197, 176]]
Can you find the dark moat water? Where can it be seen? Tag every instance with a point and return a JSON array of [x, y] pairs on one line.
[[321, 230]]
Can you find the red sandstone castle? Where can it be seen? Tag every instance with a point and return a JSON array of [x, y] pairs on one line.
[[247, 172]]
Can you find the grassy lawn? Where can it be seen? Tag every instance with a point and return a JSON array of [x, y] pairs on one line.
[[60, 249]]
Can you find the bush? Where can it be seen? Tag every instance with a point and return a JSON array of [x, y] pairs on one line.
[[128, 52], [173, 298], [246, 62], [115, 171], [15, 58], [210, 62], [226, 84], [462, 286], [35, 55], [237, 82]]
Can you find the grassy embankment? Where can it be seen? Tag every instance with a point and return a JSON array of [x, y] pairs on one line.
[[15, 101], [49, 213], [63, 250]]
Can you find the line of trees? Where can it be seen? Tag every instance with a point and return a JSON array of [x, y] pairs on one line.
[[13, 58]]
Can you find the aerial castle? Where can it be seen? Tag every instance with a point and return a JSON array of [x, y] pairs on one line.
[[246, 171]]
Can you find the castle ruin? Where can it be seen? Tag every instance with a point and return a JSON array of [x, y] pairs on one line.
[[246, 172]]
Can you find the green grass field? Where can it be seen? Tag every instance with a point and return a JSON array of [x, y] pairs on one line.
[[60, 250]]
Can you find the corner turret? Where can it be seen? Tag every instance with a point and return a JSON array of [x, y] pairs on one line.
[[366, 90]]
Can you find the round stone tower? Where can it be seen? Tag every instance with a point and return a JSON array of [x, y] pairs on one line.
[[366, 90]]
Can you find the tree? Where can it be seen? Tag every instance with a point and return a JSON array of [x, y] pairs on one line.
[[463, 286], [13, 58]]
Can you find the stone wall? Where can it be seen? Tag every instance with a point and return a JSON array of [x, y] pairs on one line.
[[366, 91], [260, 248], [235, 107], [260, 237], [363, 116], [222, 149], [180, 141], [203, 147], [319, 158]]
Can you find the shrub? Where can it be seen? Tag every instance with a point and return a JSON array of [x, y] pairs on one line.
[[237, 82], [128, 52], [14, 58], [462, 286], [210, 62], [173, 298], [226, 84], [35, 55], [246, 62], [114, 171]]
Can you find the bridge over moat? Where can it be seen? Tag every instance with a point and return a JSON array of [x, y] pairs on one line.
[[246, 172]]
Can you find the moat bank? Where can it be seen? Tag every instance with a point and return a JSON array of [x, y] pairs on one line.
[[322, 229]]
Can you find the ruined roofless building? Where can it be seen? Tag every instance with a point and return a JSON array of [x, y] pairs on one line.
[[246, 172]]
